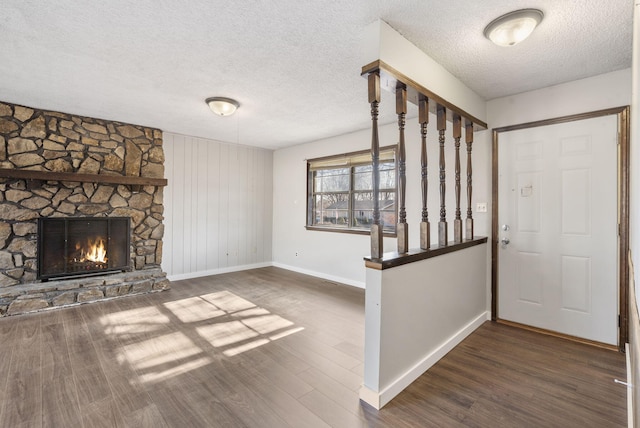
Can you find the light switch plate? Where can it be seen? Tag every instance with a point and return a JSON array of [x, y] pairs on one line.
[[481, 207]]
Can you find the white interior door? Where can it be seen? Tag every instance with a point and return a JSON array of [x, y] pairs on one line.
[[557, 191]]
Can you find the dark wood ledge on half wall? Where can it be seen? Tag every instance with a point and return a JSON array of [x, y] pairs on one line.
[[393, 259], [28, 174]]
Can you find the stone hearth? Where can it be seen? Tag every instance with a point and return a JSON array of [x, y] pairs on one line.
[[115, 163]]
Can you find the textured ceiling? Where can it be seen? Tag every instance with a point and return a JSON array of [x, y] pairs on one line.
[[293, 65]]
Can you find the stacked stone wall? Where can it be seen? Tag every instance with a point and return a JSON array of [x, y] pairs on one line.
[[47, 141]]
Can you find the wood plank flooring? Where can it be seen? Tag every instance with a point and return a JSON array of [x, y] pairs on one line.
[[272, 348]]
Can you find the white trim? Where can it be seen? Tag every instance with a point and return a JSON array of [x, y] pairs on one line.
[[189, 275], [378, 400], [629, 386], [370, 397], [332, 278]]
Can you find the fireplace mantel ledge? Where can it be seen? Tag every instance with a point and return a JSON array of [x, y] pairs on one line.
[[28, 174]]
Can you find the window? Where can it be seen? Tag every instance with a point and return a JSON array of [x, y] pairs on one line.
[[340, 192]]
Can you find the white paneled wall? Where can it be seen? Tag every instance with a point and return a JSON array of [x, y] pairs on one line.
[[218, 207]]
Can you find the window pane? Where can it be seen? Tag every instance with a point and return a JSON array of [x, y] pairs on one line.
[[362, 209], [331, 180], [388, 216], [362, 213], [318, 210], [338, 218], [362, 178], [343, 197], [387, 175], [389, 220], [331, 210]]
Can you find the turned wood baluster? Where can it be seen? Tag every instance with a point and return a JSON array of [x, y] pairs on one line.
[[402, 229], [457, 134], [423, 117], [469, 220], [376, 227], [442, 225]]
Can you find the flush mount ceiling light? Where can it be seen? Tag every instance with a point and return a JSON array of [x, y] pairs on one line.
[[514, 27], [222, 106]]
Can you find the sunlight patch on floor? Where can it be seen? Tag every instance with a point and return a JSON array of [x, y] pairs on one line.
[[134, 321], [160, 350], [244, 348], [223, 321], [286, 333], [174, 371], [228, 302], [193, 309], [251, 326], [226, 333]]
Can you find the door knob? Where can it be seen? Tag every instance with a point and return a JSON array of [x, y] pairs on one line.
[[505, 241]]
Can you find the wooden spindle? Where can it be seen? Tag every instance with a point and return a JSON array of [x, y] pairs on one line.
[[457, 134], [402, 229], [376, 226], [423, 117], [442, 224], [468, 134]]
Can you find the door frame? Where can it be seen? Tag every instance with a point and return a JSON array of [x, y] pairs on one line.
[[623, 209]]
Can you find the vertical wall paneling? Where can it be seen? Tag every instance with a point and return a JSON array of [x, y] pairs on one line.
[[213, 202], [251, 214], [217, 206], [178, 202], [243, 224], [187, 206], [200, 174], [223, 212], [261, 223], [268, 210], [234, 206], [167, 256]]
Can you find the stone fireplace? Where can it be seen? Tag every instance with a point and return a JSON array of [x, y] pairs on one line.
[[58, 172], [82, 246]]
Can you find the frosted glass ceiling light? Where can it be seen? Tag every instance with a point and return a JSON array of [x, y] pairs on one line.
[[222, 106], [514, 27]]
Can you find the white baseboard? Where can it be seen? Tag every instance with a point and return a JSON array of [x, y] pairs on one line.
[[629, 386], [379, 399], [209, 272], [370, 397], [332, 278]]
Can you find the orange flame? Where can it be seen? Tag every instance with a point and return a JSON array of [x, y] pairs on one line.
[[96, 253]]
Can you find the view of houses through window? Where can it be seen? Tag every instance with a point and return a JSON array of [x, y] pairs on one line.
[[340, 191]]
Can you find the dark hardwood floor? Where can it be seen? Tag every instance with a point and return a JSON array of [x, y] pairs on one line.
[[272, 348]]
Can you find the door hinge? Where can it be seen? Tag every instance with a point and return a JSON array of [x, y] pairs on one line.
[[618, 229], [618, 320]]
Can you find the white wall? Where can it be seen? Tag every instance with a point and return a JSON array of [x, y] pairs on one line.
[[634, 238], [382, 42], [580, 96], [218, 207], [338, 256], [634, 242], [415, 314]]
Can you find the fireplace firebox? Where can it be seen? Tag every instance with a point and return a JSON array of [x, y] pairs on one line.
[[82, 246]]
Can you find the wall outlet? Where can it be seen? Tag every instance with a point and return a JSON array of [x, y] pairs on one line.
[[481, 207]]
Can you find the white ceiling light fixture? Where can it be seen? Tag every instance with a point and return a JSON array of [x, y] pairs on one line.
[[513, 27], [222, 106]]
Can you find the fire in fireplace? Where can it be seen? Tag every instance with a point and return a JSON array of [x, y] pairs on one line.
[[79, 246]]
